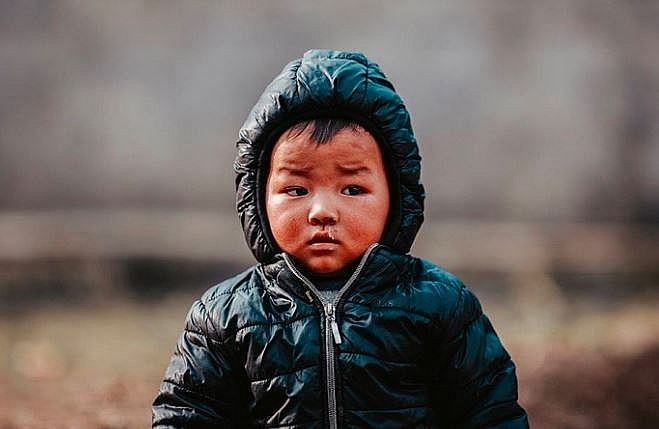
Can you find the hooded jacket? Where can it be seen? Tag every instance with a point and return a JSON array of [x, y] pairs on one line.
[[403, 344]]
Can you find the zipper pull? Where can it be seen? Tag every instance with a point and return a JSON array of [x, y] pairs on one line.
[[333, 325]]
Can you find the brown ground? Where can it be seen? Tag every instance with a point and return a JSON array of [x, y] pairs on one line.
[[99, 367]]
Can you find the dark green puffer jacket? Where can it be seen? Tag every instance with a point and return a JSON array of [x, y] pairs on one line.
[[403, 345]]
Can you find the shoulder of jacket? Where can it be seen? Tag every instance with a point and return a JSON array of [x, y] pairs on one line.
[[418, 272], [213, 314], [230, 286], [445, 292], [430, 272]]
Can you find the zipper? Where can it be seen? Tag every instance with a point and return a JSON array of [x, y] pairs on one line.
[[331, 318], [332, 332], [332, 408]]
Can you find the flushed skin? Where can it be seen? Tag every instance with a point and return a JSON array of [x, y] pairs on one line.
[[327, 203], [412, 347]]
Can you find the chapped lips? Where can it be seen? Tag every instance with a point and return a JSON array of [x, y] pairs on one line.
[[322, 237]]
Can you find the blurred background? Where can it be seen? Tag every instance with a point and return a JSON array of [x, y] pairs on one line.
[[538, 126]]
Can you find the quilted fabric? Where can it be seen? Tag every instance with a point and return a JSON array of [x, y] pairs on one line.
[[417, 352]]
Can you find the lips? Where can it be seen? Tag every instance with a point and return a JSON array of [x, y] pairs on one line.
[[323, 237]]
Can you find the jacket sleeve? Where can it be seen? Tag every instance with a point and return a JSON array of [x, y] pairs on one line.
[[202, 387], [474, 383]]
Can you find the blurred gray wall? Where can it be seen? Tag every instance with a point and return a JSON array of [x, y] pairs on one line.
[[524, 110]]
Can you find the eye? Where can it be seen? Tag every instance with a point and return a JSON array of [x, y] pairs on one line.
[[296, 191], [352, 190]]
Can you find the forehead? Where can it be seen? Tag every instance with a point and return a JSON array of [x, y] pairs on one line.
[[346, 146]]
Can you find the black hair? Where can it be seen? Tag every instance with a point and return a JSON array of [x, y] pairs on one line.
[[323, 129]]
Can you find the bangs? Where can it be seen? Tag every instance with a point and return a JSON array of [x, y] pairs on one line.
[[323, 130]]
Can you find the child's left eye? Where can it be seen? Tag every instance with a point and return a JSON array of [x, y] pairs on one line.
[[352, 190]]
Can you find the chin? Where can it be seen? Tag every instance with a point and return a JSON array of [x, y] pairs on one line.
[[333, 271], [324, 268]]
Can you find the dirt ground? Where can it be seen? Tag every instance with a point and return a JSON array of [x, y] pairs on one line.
[[99, 366]]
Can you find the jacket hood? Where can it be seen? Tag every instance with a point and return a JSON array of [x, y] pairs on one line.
[[333, 84]]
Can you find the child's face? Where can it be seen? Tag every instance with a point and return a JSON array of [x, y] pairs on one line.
[[327, 203]]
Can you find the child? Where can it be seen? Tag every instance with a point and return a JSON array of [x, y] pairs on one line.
[[337, 326]]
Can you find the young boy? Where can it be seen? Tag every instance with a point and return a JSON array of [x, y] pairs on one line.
[[337, 326]]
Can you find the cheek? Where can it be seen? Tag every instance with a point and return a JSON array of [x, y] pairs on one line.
[[280, 209], [284, 222], [369, 221]]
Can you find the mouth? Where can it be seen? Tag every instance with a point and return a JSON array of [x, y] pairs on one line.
[[323, 238]]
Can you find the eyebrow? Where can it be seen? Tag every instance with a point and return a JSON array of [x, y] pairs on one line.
[[294, 171], [353, 170]]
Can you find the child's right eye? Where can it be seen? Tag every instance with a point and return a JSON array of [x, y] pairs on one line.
[[296, 191]]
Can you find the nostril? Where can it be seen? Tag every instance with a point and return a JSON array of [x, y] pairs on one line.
[[327, 220]]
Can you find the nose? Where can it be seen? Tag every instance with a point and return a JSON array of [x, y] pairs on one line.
[[323, 211]]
